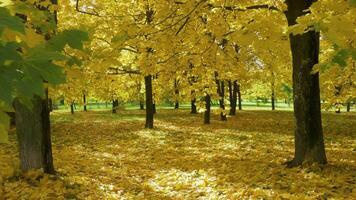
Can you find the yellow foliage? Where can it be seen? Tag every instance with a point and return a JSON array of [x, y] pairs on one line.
[[99, 155]]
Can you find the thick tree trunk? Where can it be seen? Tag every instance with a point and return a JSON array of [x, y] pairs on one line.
[[85, 102], [47, 140], [233, 97], [309, 142], [149, 102], [33, 132], [207, 109], [238, 91]]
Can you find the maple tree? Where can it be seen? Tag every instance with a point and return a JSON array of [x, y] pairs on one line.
[[211, 53]]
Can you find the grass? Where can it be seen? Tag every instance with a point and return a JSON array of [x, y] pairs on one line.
[[110, 156]]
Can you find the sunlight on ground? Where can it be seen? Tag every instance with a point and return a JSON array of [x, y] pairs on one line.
[[183, 159], [179, 184]]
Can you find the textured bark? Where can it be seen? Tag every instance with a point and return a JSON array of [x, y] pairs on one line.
[[149, 102], [85, 102], [33, 132], [309, 142], [207, 109]]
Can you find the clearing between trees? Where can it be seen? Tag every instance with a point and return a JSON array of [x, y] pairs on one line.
[[102, 155]]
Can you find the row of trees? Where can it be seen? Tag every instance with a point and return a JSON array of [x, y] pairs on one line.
[[201, 45]]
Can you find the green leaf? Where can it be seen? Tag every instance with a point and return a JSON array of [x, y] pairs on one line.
[[11, 22], [4, 127], [9, 52], [74, 38], [41, 54], [340, 57], [53, 74]]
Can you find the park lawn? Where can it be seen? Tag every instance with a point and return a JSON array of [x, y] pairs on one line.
[[99, 155]]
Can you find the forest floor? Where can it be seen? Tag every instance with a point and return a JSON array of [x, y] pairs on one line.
[[99, 155]]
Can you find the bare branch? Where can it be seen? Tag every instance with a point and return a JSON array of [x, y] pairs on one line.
[[93, 13]]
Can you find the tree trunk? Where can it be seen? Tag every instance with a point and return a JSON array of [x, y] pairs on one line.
[[233, 97], [154, 107], [149, 102], [192, 102], [309, 142], [273, 100], [176, 92], [12, 118], [115, 104], [348, 107], [47, 140], [238, 91], [221, 91], [207, 109], [142, 106], [72, 107], [85, 102], [50, 105], [33, 132]]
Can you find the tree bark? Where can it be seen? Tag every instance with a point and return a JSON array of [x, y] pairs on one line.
[[115, 104], [273, 100], [207, 109], [348, 107], [50, 105], [309, 142], [233, 97], [72, 107], [47, 140], [142, 106], [149, 102], [192, 102], [85, 102], [238, 91], [33, 132], [176, 92], [221, 91]]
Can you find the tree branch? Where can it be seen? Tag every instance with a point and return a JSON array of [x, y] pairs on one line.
[[94, 13]]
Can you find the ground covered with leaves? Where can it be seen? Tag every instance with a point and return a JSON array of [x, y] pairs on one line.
[[99, 155]]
